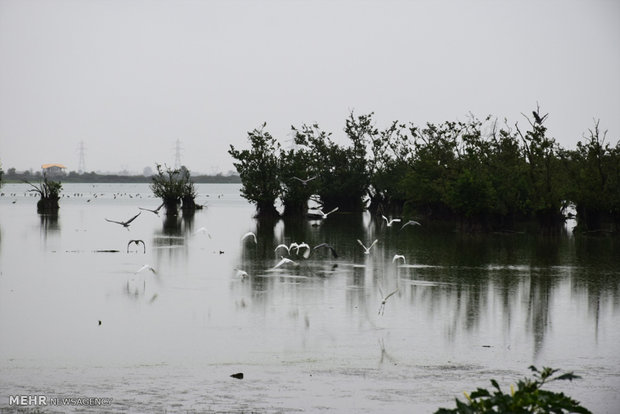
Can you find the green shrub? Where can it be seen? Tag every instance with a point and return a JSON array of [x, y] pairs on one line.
[[528, 397]]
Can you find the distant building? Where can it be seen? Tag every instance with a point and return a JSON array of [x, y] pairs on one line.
[[53, 170]]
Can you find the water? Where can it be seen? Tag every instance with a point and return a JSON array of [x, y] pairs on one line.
[[307, 337]]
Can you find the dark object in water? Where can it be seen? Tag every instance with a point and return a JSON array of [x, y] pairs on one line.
[[99, 322], [107, 251], [238, 375]]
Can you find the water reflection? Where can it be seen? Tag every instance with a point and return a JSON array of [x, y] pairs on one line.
[[462, 283]]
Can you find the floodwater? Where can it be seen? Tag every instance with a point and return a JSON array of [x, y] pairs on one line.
[[76, 321]]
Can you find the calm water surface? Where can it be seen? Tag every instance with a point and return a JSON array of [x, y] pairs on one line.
[[308, 337]]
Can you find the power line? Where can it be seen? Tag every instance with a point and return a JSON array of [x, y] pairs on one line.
[[177, 155], [81, 162]]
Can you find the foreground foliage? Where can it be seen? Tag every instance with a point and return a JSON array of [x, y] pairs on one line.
[[528, 397]]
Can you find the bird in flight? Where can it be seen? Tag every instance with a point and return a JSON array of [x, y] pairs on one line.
[[156, 211], [136, 242], [203, 230], [241, 273], [328, 213], [288, 249], [303, 245], [284, 261], [306, 181], [391, 221], [248, 234], [145, 267], [382, 305], [125, 223], [398, 257], [367, 249], [329, 247], [410, 223]]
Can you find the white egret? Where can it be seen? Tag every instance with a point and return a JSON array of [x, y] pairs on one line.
[[398, 257], [284, 261], [390, 221], [367, 249], [304, 182], [410, 223], [248, 234]]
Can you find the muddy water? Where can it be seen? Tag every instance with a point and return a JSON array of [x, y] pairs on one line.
[[308, 336]]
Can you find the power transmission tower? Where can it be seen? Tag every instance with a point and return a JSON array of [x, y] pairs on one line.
[[177, 155], [81, 163]]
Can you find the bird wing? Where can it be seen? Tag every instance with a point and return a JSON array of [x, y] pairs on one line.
[[281, 245], [159, 208], [281, 262], [297, 178], [133, 218], [396, 220], [362, 244], [399, 256], [147, 209], [336, 209], [114, 221], [388, 296], [311, 178], [248, 234], [385, 218], [373, 243]]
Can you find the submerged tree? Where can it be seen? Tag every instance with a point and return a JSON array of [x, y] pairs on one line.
[[49, 192], [174, 186], [594, 171], [298, 180], [258, 169], [341, 177], [545, 173]]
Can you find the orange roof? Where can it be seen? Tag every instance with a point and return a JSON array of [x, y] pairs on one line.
[[46, 166]]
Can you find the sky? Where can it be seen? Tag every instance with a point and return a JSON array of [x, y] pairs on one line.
[[129, 78]]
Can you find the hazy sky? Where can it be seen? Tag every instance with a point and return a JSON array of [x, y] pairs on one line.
[[129, 78]]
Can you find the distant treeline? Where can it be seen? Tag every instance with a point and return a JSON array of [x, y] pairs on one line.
[[92, 177], [480, 175]]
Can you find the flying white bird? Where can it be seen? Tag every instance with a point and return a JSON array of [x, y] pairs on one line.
[[284, 261], [304, 182], [241, 273], [367, 249], [288, 250], [306, 246], [410, 222], [399, 256], [328, 213], [382, 305], [124, 223], [391, 221], [248, 234], [145, 267], [203, 230]]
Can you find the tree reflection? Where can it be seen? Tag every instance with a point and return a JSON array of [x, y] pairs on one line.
[[463, 284]]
